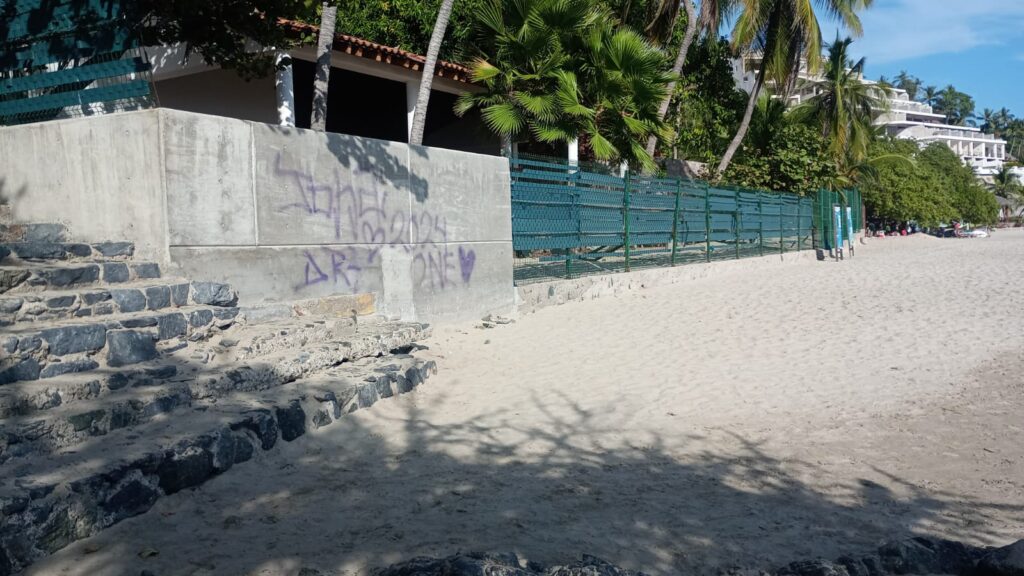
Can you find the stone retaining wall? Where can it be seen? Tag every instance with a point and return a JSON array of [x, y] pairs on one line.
[[533, 297]]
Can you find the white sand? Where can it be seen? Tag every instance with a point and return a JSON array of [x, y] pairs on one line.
[[756, 418]]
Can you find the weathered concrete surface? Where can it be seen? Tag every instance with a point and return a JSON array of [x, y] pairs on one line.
[[318, 188], [281, 274], [533, 297], [102, 176], [282, 214], [208, 168]]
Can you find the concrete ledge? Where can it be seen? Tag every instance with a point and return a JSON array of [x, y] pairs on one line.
[[533, 297]]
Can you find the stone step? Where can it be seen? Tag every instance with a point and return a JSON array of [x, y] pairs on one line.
[[101, 301], [49, 501], [67, 426], [31, 397], [45, 232], [65, 250], [34, 277], [216, 368], [47, 350]]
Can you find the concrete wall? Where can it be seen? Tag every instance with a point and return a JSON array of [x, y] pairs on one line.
[[101, 175], [281, 214]]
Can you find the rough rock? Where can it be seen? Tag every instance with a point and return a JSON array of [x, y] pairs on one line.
[[158, 297], [115, 272], [814, 568], [172, 325], [292, 420], [126, 347], [115, 249], [25, 369], [129, 300], [58, 368], [213, 294], [926, 556], [179, 294], [73, 339], [146, 270], [9, 278], [1005, 561], [500, 565]]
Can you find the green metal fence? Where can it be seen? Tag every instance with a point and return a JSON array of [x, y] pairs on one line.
[[66, 58], [573, 220]]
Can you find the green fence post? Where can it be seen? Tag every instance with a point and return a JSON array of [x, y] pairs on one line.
[[799, 239], [707, 222], [782, 244], [675, 221], [760, 220], [736, 223], [574, 212], [625, 216]]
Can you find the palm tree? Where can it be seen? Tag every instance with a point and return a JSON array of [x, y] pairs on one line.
[[988, 120], [677, 68], [419, 116], [784, 31], [324, 45], [1006, 184], [709, 21], [931, 93], [769, 119], [558, 71], [955, 105], [909, 83], [843, 107]]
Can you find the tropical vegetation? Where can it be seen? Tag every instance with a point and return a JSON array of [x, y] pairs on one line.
[[634, 80], [557, 71]]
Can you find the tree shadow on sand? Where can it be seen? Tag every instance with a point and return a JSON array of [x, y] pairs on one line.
[[381, 487]]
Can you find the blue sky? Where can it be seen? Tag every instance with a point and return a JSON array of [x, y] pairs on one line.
[[976, 45]]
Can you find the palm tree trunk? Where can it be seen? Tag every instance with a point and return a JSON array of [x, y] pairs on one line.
[[419, 116], [741, 132], [677, 68], [328, 15]]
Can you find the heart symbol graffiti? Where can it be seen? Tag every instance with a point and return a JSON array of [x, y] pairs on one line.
[[467, 259]]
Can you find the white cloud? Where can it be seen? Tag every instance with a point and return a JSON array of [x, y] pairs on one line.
[[904, 29]]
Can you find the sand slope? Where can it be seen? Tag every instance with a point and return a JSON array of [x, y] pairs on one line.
[[754, 418]]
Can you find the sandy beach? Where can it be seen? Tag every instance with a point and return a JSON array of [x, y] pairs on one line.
[[752, 419]]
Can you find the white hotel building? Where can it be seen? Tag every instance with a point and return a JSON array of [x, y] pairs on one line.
[[902, 118]]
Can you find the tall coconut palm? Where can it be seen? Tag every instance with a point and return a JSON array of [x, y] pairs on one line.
[[930, 94], [988, 120], [419, 117], [844, 107], [677, 68], [784, 32], [708, 22], [324, 45], [910, 84]]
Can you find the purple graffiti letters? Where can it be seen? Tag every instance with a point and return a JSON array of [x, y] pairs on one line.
[[344, 268], [363, 216]]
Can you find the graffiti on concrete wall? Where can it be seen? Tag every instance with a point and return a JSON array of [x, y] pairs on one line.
[[368, 218]]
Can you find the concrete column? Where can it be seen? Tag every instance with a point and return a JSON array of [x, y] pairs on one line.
[[284, 83], [412, 93], [574, 152]]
